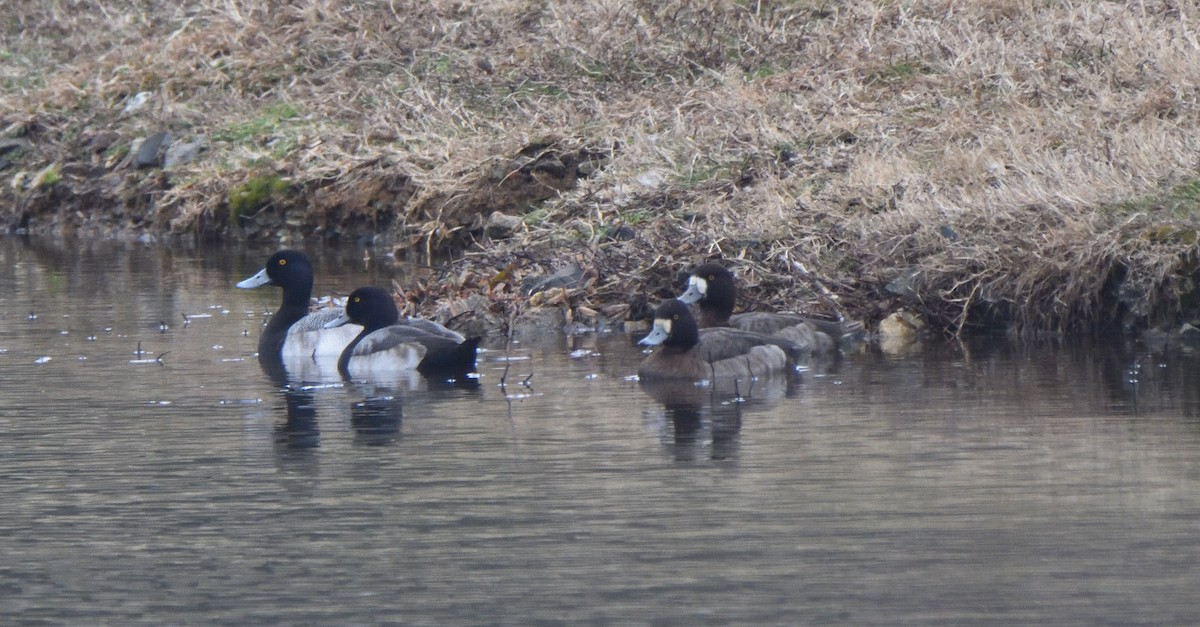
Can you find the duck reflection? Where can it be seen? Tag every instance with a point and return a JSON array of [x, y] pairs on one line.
[[377, 417], [696, 416], [377, 413], [299, 429], [376, 420]]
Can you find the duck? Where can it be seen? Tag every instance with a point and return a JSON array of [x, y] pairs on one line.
[[690, 353], [711, 285], [293, 332], [386, 343]]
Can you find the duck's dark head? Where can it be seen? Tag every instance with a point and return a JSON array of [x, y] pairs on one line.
[[711, 285], [372, 307], [674, 326], [289, 269]]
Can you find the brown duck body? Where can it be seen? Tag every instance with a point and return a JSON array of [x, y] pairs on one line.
[[689, 353], [711, 286]]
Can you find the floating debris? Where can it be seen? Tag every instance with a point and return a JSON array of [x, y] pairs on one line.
[[240, 401], [582, 352], [43, 359], [592, 377], [320, 386], [234, 359]]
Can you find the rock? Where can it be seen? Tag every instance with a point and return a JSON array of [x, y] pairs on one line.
[[566, 277], [900, 332], [180, 153], [10, 144], [1189, 335], [136, 102], [905, 285], [652, 179], [149, 150], [500, 225]]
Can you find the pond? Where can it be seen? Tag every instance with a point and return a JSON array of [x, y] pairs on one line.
[[151, 472]]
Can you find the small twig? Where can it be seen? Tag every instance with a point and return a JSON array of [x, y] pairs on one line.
[[504, 376], [159, 358], [139, 350], [526, 381]]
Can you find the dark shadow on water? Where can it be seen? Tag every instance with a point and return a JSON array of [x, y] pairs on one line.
[[299, 429], [376, 420], [701, 421]]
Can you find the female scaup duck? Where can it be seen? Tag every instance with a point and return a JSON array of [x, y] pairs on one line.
[[292, 332], [711, 285], [693, 354], [386, 344]]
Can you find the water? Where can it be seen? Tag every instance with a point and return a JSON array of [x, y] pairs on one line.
[[961, 484]]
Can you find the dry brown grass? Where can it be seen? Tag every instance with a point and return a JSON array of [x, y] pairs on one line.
[[1027, 161]]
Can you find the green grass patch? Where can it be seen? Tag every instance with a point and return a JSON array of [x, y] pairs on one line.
[[897, 72], [1181, 202], [50, 176], [254, 194], [268, 122]]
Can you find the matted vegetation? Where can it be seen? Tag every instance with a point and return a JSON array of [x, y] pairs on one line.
[[1030, 164]]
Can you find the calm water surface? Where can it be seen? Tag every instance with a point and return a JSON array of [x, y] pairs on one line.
[[962, 484]]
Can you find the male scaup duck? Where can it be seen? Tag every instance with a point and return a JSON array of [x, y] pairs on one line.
[[293, 333], [687, 352], [712, 286], [387, 344]]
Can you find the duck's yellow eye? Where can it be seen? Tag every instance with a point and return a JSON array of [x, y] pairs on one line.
[[675, 317], [357, 299], [712, 277], [283, 262]]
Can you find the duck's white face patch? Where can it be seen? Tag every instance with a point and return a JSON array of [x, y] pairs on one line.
[[658, 334], [696, 290]]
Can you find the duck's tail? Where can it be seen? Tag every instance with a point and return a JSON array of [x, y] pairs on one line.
[[459, 360]]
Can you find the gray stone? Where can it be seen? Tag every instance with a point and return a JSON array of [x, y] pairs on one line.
[[905, 285], [1189, 335], [9, 144], [180, 153], [500, 225], [149, 151], [566, 277]]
